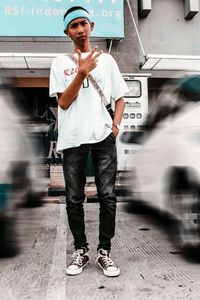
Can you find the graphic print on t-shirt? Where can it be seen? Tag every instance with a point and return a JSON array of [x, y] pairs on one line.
[[86, 83]]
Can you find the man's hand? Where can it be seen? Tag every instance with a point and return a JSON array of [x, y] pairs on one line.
[[88, 63], [115, 131]]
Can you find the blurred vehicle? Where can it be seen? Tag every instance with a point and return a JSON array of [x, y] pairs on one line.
[[21, 182], [165, 168]]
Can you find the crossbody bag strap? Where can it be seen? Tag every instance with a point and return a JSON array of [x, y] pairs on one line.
[[97, 87]]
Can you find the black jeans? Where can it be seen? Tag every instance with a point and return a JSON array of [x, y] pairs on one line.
[[105, 166]]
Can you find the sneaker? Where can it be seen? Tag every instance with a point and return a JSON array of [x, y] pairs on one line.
[[80, 260], [105, 262]]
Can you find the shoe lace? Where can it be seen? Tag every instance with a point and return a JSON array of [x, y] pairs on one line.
[[107, 261], [77, 258]]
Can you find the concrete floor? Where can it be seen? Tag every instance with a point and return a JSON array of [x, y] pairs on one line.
[[151, 267]]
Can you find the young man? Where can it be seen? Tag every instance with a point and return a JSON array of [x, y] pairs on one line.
[[85, 125]]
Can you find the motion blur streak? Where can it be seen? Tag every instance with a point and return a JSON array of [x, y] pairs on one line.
[[22, 183], [165, 167]]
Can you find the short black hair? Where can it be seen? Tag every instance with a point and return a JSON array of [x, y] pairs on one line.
[[72, 9]]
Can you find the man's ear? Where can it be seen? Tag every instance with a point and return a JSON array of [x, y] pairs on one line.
[[66, 32], [92, 25]]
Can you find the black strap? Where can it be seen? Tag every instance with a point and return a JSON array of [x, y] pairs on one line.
[[109, 109]]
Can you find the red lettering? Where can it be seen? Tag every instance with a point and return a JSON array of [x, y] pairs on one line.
[[69, 72]]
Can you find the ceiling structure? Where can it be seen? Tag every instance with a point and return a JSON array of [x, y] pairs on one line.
[[158, 62], [38, 64]]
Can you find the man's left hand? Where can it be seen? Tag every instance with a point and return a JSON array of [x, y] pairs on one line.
[[115, 131]]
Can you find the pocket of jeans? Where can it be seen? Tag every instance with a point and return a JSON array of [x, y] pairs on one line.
[[112, 137]]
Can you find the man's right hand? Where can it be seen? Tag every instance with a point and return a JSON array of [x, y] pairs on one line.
[[87, 64]]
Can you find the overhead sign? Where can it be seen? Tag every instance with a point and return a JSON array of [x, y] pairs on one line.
[[45, 17]]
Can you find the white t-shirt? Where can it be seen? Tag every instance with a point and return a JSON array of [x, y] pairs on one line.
[[86, 120]]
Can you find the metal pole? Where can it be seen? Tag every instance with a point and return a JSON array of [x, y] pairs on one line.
[[110, 47]]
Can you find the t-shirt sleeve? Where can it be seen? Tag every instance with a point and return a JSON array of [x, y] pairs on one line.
[[56, 82], [118, 85]]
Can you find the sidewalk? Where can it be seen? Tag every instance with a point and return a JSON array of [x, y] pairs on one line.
[[38, 272], [149, 268]]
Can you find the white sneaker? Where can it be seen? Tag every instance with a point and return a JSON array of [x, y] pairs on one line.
[[107, 265], [80, 261]]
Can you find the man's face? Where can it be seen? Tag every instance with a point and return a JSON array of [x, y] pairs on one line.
[[79, 30]]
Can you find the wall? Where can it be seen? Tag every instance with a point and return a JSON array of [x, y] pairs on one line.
[[165, 31], [126, 51]]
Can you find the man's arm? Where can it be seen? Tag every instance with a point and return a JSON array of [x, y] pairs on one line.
[[69, 95], [119, 109], [85, 66]]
